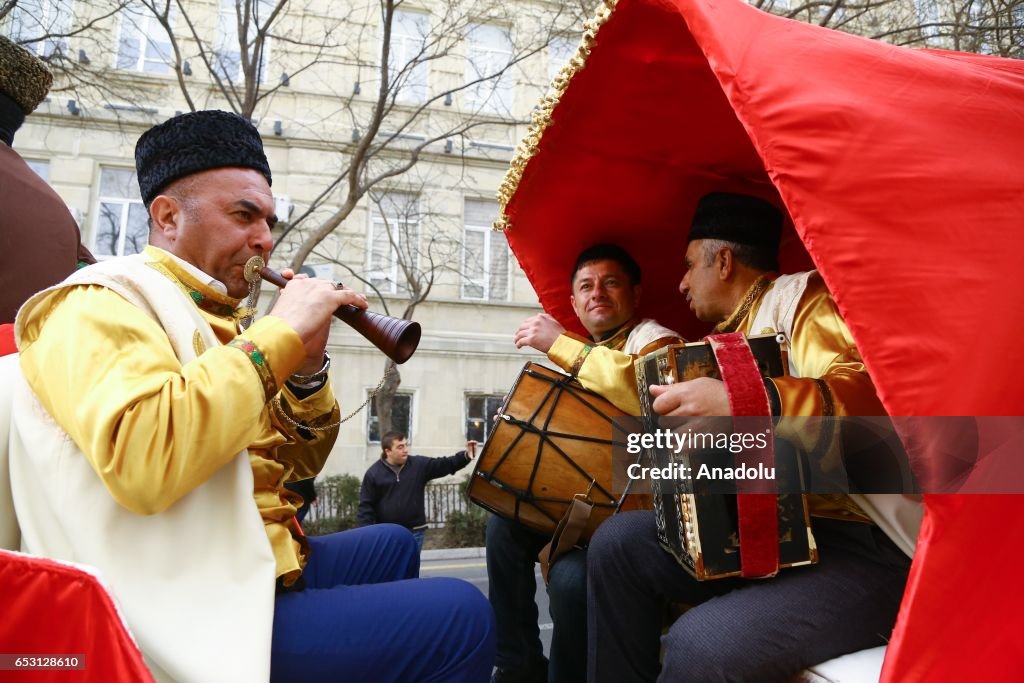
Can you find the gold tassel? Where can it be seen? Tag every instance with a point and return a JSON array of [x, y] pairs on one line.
[[528, 146]]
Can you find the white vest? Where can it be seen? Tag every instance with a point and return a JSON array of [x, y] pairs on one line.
[[897, 515], [195, 582], [646, 332]]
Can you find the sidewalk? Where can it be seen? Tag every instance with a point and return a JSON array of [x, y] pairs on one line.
[[452, 554]]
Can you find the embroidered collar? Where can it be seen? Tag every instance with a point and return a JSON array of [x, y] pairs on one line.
[[731, 323], [204, 296], [617, 339]]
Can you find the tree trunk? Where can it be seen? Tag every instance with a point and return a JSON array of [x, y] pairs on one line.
[[385, 397]]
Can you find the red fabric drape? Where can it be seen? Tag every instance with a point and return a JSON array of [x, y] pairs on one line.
[[900, 171], [55, 609], [7, 345]]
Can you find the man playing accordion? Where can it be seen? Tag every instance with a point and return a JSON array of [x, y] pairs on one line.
[[740, 629]]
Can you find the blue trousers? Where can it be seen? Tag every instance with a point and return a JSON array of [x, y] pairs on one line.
[[419, 535], [364, 616]]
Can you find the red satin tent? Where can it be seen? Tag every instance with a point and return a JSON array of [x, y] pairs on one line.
[[900, 171]]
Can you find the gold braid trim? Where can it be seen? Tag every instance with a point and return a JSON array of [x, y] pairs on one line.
[[617, 341], [730, 323], [528, 146]]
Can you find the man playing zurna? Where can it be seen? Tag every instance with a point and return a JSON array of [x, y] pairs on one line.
[[152, 438]]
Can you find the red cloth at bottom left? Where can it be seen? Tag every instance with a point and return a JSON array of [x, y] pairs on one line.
[[55, 609], [7, 345]]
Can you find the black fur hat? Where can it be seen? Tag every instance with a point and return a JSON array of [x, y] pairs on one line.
[[23, 76], [739, 218], [193, 142]]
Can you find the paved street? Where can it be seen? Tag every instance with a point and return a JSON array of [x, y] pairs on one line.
[[474, 570]]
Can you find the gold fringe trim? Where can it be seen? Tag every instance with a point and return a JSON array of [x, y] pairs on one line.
[[528, 146]]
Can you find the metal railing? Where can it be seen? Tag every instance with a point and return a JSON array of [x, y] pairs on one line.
[[338, 498]]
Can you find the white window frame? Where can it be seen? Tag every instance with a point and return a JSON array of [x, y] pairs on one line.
[[486, 278], [370, 417], [388, 279], [149, 32], [407, 46], [226, 44], [124, 202], [41, 17], [485, 57]]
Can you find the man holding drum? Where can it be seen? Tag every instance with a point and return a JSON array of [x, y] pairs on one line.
[[605, 294], [740, 629], [152, 437]]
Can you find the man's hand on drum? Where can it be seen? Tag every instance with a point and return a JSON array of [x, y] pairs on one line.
[[701, 396], [538, 332]]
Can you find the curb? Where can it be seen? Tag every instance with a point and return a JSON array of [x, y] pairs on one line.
[[452, 554]]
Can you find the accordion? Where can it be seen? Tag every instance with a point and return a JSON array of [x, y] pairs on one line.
[[697, 519]]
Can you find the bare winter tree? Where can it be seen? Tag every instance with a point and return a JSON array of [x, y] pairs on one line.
[[410, 249], [382, 145], [73, 44], [993, 27]]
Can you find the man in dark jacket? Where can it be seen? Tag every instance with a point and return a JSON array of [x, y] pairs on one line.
[[393, 487]]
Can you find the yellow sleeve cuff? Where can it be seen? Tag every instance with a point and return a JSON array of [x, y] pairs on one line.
[[606, 372], [319, 403], [566, 351], [274, 349]]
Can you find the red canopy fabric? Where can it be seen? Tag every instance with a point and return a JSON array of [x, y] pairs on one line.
[[7, 345], [900, 170], [55, 609]]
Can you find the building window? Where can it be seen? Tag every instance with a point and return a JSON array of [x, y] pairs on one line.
[[40, 168], [480, 412], [407, 68], [227, 52], [485, 258], [393, 239], [42, 26], [401, 418], [143, 44], [560, 50], [490, 53], [122, 225]]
